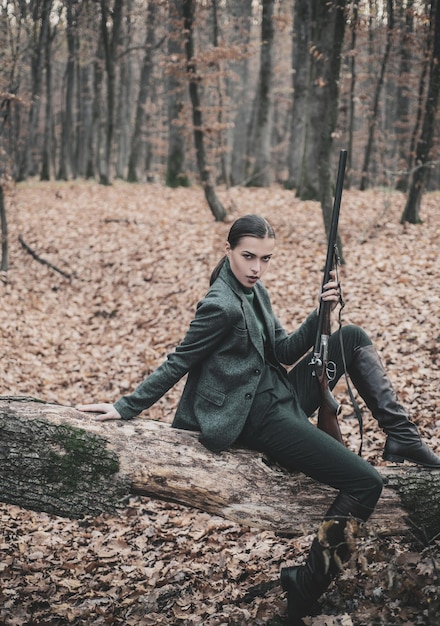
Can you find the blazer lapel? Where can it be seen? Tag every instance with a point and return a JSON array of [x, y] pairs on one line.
[[266, 311], [248, 313]]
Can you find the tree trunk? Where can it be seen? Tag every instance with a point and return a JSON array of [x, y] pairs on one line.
[[41, 27], [140, 125], [258, 152], [85, 127], [58, 460], [47, 159], [301, 91], [221, 136], [67, 137], [324, 24], [375, 110], [352, 93], [124, 115], [95, 136], [424, 145], [238, 86], [404, 94], [419, 108], [3, 231], [111, 40], [176, 176], [214, 203], [328, 99]]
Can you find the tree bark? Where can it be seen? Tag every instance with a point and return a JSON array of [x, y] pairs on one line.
[[375, 109], [258, 152], [111, 41], [352, 93], [332, 46], [301, 69], [411, 212], [41, 18], [68, 124], [47, 151], [238, 86], [323, 35], [404, 94], [58, 460], [214, 203], [176, 175], [138, 138], [125, 96], [4, 261]]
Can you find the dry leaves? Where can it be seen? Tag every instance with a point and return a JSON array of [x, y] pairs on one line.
[[140, 258]]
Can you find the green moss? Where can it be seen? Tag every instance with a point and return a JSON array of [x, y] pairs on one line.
[[75, 457]]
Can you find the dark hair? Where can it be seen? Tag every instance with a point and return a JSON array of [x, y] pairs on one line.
[[245, 226]]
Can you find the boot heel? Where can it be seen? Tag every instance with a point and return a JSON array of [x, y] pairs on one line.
[[394, 458], [284, 578]]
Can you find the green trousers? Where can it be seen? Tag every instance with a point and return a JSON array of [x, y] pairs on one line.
[[278, 425]]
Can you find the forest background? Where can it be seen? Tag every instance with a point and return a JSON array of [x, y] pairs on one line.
[[122, 125], [234, 92]]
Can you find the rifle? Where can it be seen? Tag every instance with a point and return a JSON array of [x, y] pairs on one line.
[[323, 369]]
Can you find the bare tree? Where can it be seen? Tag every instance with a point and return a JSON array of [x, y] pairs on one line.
[[68, 136], [140, 124], [258, 152], [40, 19], [4, 231], [403, 96], [332, 37], [411, 212], [47, 160], [176, 175], [124, 108], [199, 141], [379, 85], [301, 60], [111, 41], [238, 86], [352, 91]]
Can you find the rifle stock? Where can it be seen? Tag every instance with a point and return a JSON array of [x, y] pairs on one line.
[[329, 408]]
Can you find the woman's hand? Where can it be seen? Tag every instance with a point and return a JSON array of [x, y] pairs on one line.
[[107, 411], [331, 291]]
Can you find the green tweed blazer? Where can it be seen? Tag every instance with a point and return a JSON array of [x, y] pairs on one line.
[[224, 356]]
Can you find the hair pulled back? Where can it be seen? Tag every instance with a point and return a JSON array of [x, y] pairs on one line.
[[246, 226]]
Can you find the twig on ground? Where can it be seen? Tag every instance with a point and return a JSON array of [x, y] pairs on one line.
[[41, 260]]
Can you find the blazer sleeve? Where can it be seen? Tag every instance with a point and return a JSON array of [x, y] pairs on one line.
[[288, 347], [291, 347], [210, 325]]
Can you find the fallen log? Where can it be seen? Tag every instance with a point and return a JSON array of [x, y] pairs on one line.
[[55, 459]]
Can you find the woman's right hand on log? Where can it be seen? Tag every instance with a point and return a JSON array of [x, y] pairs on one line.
[[106, 411]]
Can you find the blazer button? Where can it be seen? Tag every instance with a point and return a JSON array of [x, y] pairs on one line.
[[248, 396], [257, 372]]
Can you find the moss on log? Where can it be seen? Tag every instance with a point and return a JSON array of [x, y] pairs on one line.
[[57, 468]]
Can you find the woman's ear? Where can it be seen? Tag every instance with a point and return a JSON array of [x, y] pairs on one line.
[[227, 248]]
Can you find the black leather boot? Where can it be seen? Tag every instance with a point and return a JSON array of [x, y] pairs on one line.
[[330, 549], [403, 438]]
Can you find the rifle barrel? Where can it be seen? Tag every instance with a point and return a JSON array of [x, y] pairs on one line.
[[332, 238]]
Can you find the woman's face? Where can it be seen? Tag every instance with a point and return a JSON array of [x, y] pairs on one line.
[[250, 259]]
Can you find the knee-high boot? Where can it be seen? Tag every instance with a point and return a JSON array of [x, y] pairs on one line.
[[403, 438], [330, 549]]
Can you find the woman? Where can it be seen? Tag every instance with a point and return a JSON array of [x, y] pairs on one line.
[[237, 391]]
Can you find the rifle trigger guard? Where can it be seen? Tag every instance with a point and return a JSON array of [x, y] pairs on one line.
[[331, 370]]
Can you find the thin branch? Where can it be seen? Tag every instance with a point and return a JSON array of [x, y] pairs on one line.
[[40, 260]]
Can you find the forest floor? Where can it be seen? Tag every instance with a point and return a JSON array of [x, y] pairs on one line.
[[135, 261]]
